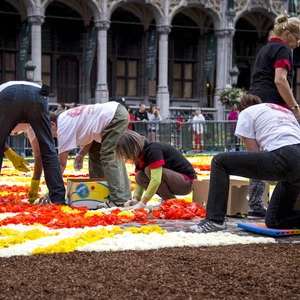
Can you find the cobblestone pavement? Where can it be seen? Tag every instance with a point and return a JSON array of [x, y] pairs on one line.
[[180, 225]]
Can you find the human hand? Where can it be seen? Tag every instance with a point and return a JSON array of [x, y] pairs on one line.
[[34, 190], [78, 162], [297, 113], [45, 200], [139, 205], [131, 203], [19, 162]]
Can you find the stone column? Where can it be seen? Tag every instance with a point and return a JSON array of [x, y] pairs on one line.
[[101, 94], [163, 95], [36, 46], [223, 64]]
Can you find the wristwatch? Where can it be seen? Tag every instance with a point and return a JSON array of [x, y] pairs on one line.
[[295, 107]]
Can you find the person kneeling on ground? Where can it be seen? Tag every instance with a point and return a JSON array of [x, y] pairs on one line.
[[162, 169], [274, 133]]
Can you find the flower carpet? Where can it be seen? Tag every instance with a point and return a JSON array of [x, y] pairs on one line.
[[72, 253], [28, 229]]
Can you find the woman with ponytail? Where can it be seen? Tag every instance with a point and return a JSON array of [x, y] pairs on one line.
[[272, 82]]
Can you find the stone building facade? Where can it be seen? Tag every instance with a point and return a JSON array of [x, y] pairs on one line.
[[175, 53]]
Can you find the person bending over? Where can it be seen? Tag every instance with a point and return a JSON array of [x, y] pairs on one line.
[[97, 128], [271, 135], [23, 101], [161, 169]]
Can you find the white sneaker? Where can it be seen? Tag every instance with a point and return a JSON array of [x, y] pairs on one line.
[[109, 204]]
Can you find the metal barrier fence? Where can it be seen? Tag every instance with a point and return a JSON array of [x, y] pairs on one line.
[[190, 137]]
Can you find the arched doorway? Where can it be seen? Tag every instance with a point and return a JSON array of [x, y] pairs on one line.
[[63, 37], [125, 55], [252, 31], [10, 27]]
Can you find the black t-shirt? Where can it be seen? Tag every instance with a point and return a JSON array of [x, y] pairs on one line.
[[158, 154], [263, 84], [141, 115]]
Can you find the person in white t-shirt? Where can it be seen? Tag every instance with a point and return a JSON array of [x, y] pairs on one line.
[[271, 134], [23, 101], [198, 129], [21, 164], [97, 128]]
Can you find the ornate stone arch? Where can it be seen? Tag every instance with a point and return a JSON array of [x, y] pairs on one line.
[[22, 7], [87, 9], [255, 20], [154, 5], [214, 10], [268, 7]]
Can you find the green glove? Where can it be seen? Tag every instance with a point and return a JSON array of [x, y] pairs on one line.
[[18, 161], [34, 190]]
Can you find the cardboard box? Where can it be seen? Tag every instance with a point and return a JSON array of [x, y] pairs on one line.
[[87, 192], [237, 198]]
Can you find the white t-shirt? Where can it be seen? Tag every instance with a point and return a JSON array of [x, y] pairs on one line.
[[24, 127], [196, 126], [81, 125], [271, 125], [9, 83]]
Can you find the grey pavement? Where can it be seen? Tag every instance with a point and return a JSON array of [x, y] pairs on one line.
[[180, 225]]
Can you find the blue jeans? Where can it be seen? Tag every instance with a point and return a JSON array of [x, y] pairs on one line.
[[23, 103], [282, 165]]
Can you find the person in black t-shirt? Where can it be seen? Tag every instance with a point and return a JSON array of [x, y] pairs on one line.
[[272, 81], [161, 169], [141, 115], [273, 71]]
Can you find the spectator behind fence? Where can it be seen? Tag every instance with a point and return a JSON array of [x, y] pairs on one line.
[[73, 104], [232, 117], [271, 135], [162, 169], [141, 115], [131, 118], [61, 107], [198, 130], [30, 105], [154, 117], [272, 81]]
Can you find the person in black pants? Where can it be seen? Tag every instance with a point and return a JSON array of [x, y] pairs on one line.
[[24, 102], [272, 81], [273, 135]]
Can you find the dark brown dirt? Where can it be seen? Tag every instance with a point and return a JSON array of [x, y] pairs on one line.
[[230, 272]]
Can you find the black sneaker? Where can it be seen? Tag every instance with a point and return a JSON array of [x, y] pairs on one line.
[[257, 214], [206, 226]]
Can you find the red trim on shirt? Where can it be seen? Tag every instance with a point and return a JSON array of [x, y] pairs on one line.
[[284, 105], [188, 178], [141, 160], [273, 39], [157, 164], [282, 63]]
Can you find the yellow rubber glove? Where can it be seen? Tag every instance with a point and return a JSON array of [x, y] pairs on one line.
[[34, 190], [19, 162]]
